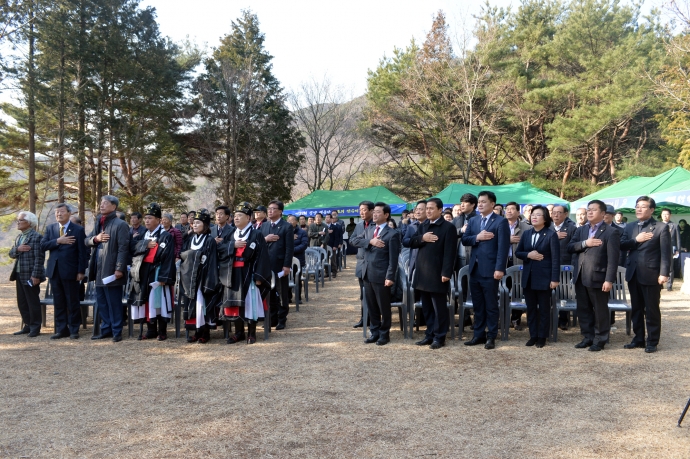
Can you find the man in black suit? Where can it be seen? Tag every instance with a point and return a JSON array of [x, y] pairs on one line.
[[280, 238], [489, 237], [647, 270], [66, 268], [379, 270], [466, 211], [516, 227], [223, 227], [437, 241], [366, 210], [564, 228], [335, 242], [675, 243], [410, 232], [595, 247]]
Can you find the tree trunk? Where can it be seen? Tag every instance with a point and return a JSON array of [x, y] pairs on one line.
[[30, 102]]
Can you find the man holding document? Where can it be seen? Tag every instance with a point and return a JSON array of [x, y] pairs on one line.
[[109, 242]]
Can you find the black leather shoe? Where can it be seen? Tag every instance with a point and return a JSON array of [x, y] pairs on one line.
[[531, 342], [437, 345], [475, 341], [424, 342], [633, 345], [59, 335], [597, 347], [74, 336], [490, 344], [117, 339], [583, 344], [371, 339], [236, 338], [541, 343], [23, 331], [34, 334], [649, 349], [107, 335], [359, 324], [382, 341], [280, 326]]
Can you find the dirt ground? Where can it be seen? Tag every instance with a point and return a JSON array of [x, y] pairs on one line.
[[315, 390]]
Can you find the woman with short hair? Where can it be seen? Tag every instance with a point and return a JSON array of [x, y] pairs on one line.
[[540, 251]]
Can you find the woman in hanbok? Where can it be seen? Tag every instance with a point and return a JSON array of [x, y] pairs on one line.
[[153, 276], [245, 273], [200, 287]]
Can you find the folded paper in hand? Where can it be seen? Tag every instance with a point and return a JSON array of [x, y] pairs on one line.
[[109, 279]]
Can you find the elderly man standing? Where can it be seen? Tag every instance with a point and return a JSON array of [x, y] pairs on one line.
[[318, 232], [66, 268], [28, 273], [109, 241]]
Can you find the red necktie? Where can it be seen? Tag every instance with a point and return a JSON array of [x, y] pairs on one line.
[[376, 233], [102, 221]]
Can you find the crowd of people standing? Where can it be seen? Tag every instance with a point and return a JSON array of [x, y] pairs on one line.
[[237, 269]]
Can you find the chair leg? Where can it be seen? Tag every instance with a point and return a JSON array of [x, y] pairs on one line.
[[130, 321], [43, 314], [554, 325], [84, 315], [627, 322]]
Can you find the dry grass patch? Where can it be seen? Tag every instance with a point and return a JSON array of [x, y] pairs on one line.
[[315, 390]]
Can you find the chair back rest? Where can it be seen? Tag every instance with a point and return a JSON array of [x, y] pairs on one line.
[[323, 255], [90, 294], [296, 265], [464, 279], [344, 249], [512, 283], [329, 252], [619, 291], [312, 259], [49, 290], [565, 289]]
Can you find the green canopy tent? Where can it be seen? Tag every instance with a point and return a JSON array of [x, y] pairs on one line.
[[345, 202], [670, 189], [523, 193]]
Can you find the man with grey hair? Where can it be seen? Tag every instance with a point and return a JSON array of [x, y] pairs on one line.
[[109, 241], [28, 272]]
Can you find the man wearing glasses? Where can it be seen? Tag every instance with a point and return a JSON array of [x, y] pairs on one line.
[[28, 272], [595, 247], [647, 270]]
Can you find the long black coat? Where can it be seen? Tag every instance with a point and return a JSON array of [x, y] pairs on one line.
[[434, 259], [649, 259]]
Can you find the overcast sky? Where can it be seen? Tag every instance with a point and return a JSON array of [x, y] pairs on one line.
[[310, 39]]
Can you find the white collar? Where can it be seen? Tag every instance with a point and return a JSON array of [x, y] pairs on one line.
[[149, 234], [198, 241], [240, 236]]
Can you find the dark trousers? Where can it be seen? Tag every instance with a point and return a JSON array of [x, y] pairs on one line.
[[361, 297], [109, 303], [435, 311], [279, 302], [29, 303], [593, 313], [644, 300], [538, 312], [66, 303], [485, 301], [379, 305], [334, 262]]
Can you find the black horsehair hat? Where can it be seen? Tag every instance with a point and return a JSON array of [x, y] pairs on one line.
[[204, 215], [258, 208], [245, 208], [153, 209]]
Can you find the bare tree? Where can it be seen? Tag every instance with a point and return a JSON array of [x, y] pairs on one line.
[[335, 151]]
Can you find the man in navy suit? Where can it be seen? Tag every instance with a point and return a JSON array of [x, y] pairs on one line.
[[379, 271], [280, 238], [66, 268], [489, 237]]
